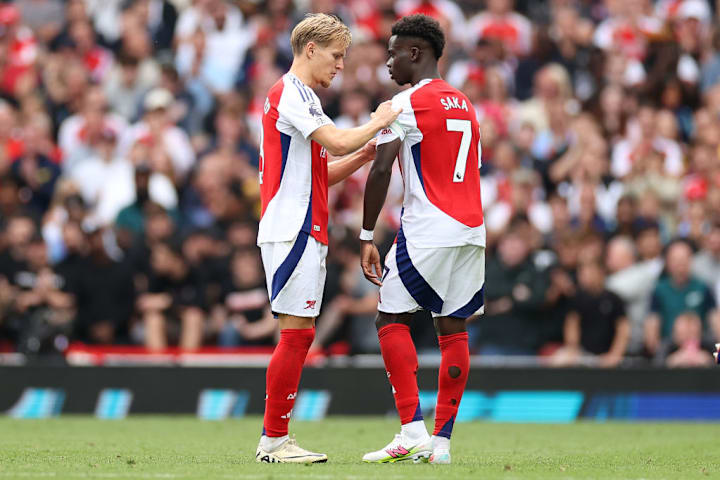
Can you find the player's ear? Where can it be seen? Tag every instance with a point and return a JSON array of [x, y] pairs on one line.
[[414, 54], [310, 49]]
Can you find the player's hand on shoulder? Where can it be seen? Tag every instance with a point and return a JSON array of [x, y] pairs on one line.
[[369, 259], [385, 114]]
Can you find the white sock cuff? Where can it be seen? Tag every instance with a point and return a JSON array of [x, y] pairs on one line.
[[415, 430], [270, 444]]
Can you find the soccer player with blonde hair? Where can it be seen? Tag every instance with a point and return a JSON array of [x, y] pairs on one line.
[[295, 171]]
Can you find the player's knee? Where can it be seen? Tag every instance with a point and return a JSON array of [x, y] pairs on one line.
[[293, 322], [384, 319], [381, 321], [449, 325]]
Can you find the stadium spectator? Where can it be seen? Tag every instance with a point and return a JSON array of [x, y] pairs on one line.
[[596, 324], [105, 293], [80, 133], [41, 312], [172, 308], [35, 172], [213, 38], [676, 293], [9, 202], [501, 23], [706, 263], [126, 85], [18, 232], [169, 149], [512, 324], [245, 317], [132, 217], [686, 347], [633, 282]]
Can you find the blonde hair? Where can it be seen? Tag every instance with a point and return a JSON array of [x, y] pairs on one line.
[[321, 29]]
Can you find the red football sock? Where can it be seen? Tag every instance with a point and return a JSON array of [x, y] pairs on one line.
[[398, 351], [454, 368], [283, 378]]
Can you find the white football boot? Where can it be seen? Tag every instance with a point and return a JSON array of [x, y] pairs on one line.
[[402, 448], [440, 456], [289, 452], [441, 451]]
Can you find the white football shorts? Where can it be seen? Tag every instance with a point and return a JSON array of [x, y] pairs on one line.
[[445, 281], [295, 274]]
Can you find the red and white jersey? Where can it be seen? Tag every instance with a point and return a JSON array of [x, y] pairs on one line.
[[293, 168], [440, 162]]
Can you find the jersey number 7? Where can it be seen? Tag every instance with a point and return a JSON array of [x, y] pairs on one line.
[[464, 126]]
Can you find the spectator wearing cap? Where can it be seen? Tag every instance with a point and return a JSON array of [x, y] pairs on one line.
[[691, 27], [172, 309], [169, 148], [677, 292]]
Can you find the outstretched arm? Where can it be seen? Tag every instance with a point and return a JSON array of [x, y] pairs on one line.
[[341, 168], [340, 142], [375, 194]]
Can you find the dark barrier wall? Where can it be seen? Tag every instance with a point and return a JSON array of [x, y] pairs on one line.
[[354, 390]]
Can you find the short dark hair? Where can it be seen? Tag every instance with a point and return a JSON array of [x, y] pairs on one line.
[[421, 26]]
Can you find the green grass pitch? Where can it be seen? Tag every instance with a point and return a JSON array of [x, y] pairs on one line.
[[145, 447]]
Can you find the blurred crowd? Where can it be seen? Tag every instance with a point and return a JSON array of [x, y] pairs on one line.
[[129, 187]]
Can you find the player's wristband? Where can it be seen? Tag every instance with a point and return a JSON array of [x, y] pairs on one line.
[[367, 235]]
